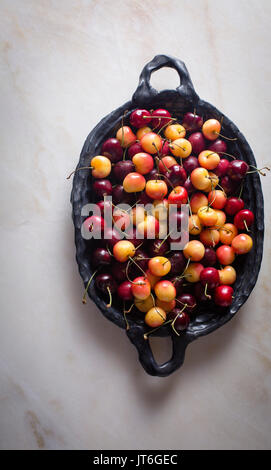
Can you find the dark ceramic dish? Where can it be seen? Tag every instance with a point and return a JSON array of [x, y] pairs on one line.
[[178, 102]]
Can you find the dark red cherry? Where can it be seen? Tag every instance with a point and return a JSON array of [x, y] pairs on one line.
[[104, 281], [134, 149], [125, 291], [132, 236], [192, 122], [200, 293], [122, 169], [141, 258], [190, 164], [177, 281], [228, 184], [222, 167], [118, 271], [105, 205], [178, 263], [198, 142], [157, 247], [177, 175], [110, 237], [120, 196], [209, 258], [209, 276], [188, 300], [112, 149], [100, 257], [182, 320], [234, 205], [161, 120], [152, 175], [243, 219], [140, 118], [102, 188], [237, 170], [218, 146], [189, 186], [178, 219]]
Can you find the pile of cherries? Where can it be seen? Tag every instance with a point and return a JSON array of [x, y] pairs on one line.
[[156, 159]]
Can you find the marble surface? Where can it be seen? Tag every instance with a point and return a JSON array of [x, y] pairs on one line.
[[69, 378]]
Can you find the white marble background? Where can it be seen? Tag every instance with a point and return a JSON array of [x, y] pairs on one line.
[[69, 378]]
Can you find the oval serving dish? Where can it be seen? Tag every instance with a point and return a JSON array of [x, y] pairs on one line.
[[177, 102]]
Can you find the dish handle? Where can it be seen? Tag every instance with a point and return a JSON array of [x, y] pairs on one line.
[[146, 358], [145, 92]]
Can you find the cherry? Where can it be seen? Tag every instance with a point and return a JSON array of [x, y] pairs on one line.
[[125, 291], [190, 163], [106, 283], [151, 143], [177, 262], [198, 142], [209, 276], [100, 257], [101, 166], [227, 233], [134, 182], [177, 175], [149, 227], [157, 247], [187, 300], [217, 199], [177, 220], [140, 118], [156, 189], [201, 293], [121, 219], [181, 148], [159, 266], [134, 149], [225, 254], [209, 258], [192, 273], [118, 271], [125, 136], [120, 196], [155, 317], [241, 244], [237, 170], [192, 122], [194, 250], [209, 159], [234, 205], [222, 167], [228, 185], [227, 275], [152, 175], [162, 118], [178, 196], [223, 296], [112, 149], [102, 188], [200, 178], [122, 169], [174, 131], [189, 186], [165, 148], [123, 249], [165, 290], [211, 129], [182, 321], [141, 258], [143, 163], [166, 163], [132, 236], [244, 219], [177, 281], [94, 224], [141, 288], [218, 146]]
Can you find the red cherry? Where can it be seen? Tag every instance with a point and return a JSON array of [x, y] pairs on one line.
[[201, 294], [187, 299], [234, 205], [177, 281], [228, 185], [122, 169], [190, 164], [189, 186], [134, 149], [102, 188], [100, 257], [105, 281], [177, 175], [222, 167], [243, 219], [182, 320], [198, 142], [138, 120], [157, 247], [237, 170], [192, 122], [94, 224], [162, 119], [112, 149], [218, 146], [209, 258], [118, 270], [209, 276], [223, 296], [125, 290], [165, 148], [120, 196], [178, 196], [105, 205]]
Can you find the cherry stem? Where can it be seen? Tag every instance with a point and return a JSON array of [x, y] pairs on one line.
[[160, 244], [81, 168], [187, 264], [84, 298], [259, 170], [137, 265], [173, 322], [145, 336], [223, 153], [241, 190], [245, 224], [205, 291], [124, 314], [224, 137], [110, 297]]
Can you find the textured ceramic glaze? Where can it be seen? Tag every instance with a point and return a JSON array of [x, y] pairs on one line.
[[178, 101]]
